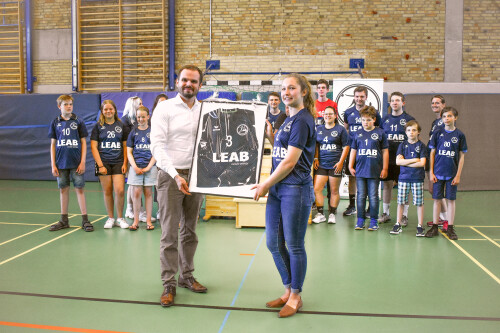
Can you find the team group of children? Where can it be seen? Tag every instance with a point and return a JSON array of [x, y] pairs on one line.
[[370, 149], [115, 144], [366, 148]]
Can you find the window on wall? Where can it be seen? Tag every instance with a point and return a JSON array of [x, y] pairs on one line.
[[121, 45], [11, 47]]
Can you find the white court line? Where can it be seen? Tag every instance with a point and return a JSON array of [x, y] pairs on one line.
[[41, 213], [29, 233], [474, 260], [491, 240], [48, 242]]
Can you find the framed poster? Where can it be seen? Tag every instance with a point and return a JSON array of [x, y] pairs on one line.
[[343, 95], [229, 145]]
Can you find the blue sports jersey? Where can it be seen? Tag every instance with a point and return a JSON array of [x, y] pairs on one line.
[[331, 143], [140, 141], [297, 131], [394, 128], [409, 151], [369, 145], [353, 119], [110, 138], [436, 125], [68, 135], [448, 145], [272, 118]]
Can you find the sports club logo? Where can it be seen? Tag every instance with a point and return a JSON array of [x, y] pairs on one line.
[[73, 126], [374, 136], [203, 144], [118, 129], [242, 130], [287, 127], [454, 139], [402, 122], [440, 122], [345, 99], [334, 134], [417, 149], [148, 134]]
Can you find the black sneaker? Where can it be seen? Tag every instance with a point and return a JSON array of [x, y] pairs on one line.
[[451, 233], [396, 230], [59, 225], [351, 210], [432, 232]]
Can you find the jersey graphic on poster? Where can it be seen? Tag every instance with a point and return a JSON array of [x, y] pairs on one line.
[[228, 150]]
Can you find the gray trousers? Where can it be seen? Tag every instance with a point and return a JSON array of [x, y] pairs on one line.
[[177, 245]]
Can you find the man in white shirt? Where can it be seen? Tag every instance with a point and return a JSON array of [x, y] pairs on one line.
[[173, 135]]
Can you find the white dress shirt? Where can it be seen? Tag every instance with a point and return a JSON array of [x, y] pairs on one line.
[[173, 134]]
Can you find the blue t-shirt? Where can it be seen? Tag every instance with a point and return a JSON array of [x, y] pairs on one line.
[[272, 118], [297, 131], [369, 145], [331, 143], [448, 145], [353, 119], [409, 151], [68, 135], [110, 138], [394, 127], [140, 141]]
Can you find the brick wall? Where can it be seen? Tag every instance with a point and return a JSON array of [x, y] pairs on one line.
[[481, 40], [51, 14], [52, 72], [400, 41]]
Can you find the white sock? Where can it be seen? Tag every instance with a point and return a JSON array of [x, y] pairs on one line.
[[405, 210], [442, 215], [386, 208]]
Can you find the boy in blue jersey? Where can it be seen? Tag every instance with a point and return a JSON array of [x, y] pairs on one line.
[[438, 103], [448, 147], [275, 116], [369, 149], [352, 123], [393, 125], [68, 152], [411, 156], [143, 173]]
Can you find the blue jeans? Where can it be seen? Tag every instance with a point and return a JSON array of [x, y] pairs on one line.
[[287, 212], [367, 186]]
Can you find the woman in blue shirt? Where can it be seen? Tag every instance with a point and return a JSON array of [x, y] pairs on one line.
[[290, 191]]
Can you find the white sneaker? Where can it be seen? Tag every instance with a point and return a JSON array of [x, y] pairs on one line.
[[331, 218], [129, 214], [143, 217], [158, 215], [319, 218], [109, 223], [120, 222]]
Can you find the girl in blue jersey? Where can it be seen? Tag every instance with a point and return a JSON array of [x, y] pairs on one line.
[[142, 174], [370, 153], [129, 120], [108, 145], [290, 192], [332, 147]]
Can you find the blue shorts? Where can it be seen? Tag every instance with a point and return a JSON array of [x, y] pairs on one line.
[[417, 190], [146, 179], [64, 178], [438, 190]]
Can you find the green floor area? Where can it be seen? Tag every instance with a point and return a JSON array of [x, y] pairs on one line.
[[357, 281]]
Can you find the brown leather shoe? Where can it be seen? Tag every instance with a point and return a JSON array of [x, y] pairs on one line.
[[277, 303], [192, 285], [288, 311], [167, 298]]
